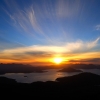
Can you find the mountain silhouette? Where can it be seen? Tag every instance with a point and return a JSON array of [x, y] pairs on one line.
[[82, 85]]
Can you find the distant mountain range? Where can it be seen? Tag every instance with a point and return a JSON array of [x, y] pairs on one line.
[[24, 68]]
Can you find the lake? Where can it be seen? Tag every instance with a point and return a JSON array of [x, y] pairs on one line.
[[50, 75]]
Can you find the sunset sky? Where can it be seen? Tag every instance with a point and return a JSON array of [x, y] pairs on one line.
[[38, 31]]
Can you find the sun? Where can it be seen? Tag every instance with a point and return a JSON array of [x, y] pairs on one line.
[[57, 60]]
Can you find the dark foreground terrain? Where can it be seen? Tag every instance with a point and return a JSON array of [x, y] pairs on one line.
[[80, 86]]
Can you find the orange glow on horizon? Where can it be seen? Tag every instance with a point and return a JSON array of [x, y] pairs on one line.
[[54, 59]]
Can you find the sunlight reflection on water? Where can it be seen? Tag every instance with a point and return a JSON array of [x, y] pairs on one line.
[[51, 75]]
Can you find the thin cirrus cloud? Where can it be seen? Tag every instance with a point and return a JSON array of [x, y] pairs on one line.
[[65, 8], [25, 19], [97, 27], [31, 19]]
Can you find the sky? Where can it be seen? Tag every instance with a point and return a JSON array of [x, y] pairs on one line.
[[37, 31]]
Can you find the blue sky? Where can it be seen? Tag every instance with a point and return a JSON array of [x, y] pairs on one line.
[[50, 23]]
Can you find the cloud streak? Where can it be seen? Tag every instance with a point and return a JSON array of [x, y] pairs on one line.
[[72, 47], [26, 19], [97, 27], [33, 18], [78, 46]]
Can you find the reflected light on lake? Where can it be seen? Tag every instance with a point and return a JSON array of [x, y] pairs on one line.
[[50, 75]]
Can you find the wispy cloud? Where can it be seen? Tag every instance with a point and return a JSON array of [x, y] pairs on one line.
[[97, 27], [72, 47], [26, 19], [33, 18], [39, 53], [65, 8]]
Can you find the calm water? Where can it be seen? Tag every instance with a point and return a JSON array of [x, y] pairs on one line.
[[51, 75]]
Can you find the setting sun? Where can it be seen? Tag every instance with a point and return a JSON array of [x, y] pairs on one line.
[[57, 60]]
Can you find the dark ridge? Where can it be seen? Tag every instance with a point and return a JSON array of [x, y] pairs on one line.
[[83, 85], [4, 80], [82, 66], [20, 68], [85, 78], [69, 70]]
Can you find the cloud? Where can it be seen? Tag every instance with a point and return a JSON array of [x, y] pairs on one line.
[[72, 47], [80, 46], [41, 19], [65, 8], [5, 44], [97, 27], [90, 60], [24, 19], [68, 47], [43, 53]]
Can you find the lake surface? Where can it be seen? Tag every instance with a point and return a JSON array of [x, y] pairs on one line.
[[51, 75]]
